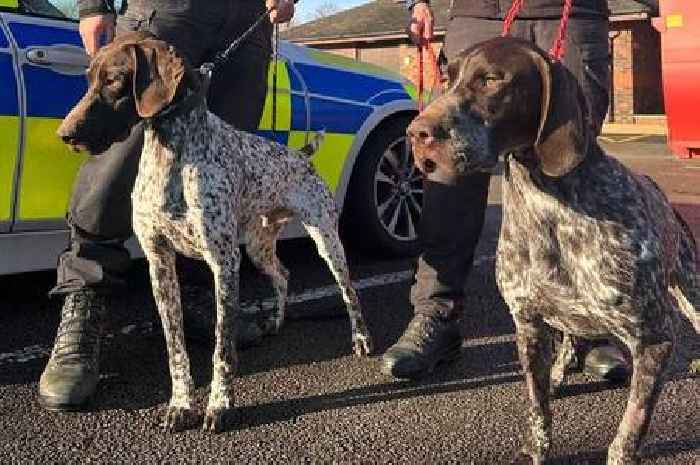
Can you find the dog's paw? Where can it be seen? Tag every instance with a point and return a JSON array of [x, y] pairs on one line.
[[178, 419], [556, 386], [633, 460], [523, 458], [363, 345], [217, 420]]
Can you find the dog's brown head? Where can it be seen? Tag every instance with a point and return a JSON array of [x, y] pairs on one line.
[[505, 95], [134, 77]]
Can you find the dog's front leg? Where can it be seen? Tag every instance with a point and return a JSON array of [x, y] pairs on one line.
[[166, 291], [225, 359], [648, 364], [533, 339]]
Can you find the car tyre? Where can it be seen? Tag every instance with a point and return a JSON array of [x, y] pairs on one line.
[[385, 194]]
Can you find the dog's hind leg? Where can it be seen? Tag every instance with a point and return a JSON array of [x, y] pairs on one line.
[[322, 226], [261, 245], [685, 286], [565, 356], [225, 266], [649, 362], [166, 291], [533, 338]]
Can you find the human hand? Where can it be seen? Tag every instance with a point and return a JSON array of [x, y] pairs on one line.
[[283, 11], [421, 24], [97, 31]]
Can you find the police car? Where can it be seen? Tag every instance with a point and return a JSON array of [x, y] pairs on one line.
[[364, 159]]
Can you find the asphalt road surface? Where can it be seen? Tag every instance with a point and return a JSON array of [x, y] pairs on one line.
[[302, 396]]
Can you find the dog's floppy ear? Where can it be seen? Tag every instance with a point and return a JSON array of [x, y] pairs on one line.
[[158, 72], [562, 137]]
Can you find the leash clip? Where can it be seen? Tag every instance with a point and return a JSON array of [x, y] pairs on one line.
[[206, 70]]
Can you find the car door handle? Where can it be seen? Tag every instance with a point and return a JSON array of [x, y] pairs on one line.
[[65, 59]]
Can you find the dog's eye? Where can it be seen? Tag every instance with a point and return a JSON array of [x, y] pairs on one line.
[[491, 80]]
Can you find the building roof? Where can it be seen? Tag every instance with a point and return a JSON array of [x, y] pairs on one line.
[[387, 17]]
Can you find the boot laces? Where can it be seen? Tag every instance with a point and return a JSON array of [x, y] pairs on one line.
[[77, 337], [421, 331]]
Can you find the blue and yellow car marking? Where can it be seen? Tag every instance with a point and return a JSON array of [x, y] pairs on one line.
[[48, 167], [28, 35], [9, 131], [315, 91]]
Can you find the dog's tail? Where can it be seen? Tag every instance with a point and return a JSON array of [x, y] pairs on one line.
[[684, 282], [312, 147]]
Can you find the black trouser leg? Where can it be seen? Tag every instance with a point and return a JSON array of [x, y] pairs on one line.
[[453, 210], [451, 223], [99, 217]]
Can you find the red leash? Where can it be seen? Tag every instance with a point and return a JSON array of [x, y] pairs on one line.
[[556, 52], [422, 50], [558, 48]]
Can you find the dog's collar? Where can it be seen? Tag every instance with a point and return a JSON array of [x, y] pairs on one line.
[[186, 105]]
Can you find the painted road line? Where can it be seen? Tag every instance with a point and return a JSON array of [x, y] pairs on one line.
[[333, 290], [621, 139], [35, 352]]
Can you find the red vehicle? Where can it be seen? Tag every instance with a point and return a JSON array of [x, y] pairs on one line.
[[679, 25]]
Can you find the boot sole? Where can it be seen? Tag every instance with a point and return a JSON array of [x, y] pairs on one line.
[[50, 403], [446, 358], [616, 375]]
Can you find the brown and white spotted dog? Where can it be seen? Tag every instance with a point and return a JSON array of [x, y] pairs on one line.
[[202, 188], [586, 247]]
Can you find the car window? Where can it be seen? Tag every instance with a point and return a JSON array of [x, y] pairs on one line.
[[63, 9]]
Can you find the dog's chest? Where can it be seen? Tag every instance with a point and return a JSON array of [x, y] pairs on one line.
[[555, 255], [176, 200]]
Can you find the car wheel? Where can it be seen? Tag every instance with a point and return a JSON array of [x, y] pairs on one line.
[[386, 193]]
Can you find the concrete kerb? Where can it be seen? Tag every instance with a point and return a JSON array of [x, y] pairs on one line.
[[636, 129]]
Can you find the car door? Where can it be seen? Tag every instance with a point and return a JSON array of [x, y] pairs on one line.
[[9, 125], [285, 115], [51, 71]]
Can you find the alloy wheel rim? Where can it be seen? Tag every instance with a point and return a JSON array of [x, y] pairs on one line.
[[398, 192]]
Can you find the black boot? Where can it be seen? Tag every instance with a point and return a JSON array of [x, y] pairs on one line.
[[72, 372], [249, 327], [608, 362], [427, 342]]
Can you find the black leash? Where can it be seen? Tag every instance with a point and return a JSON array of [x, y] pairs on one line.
[[209, 67]]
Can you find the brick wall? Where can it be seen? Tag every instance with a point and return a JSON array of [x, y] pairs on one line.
[[636, 71], [621, 93]]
